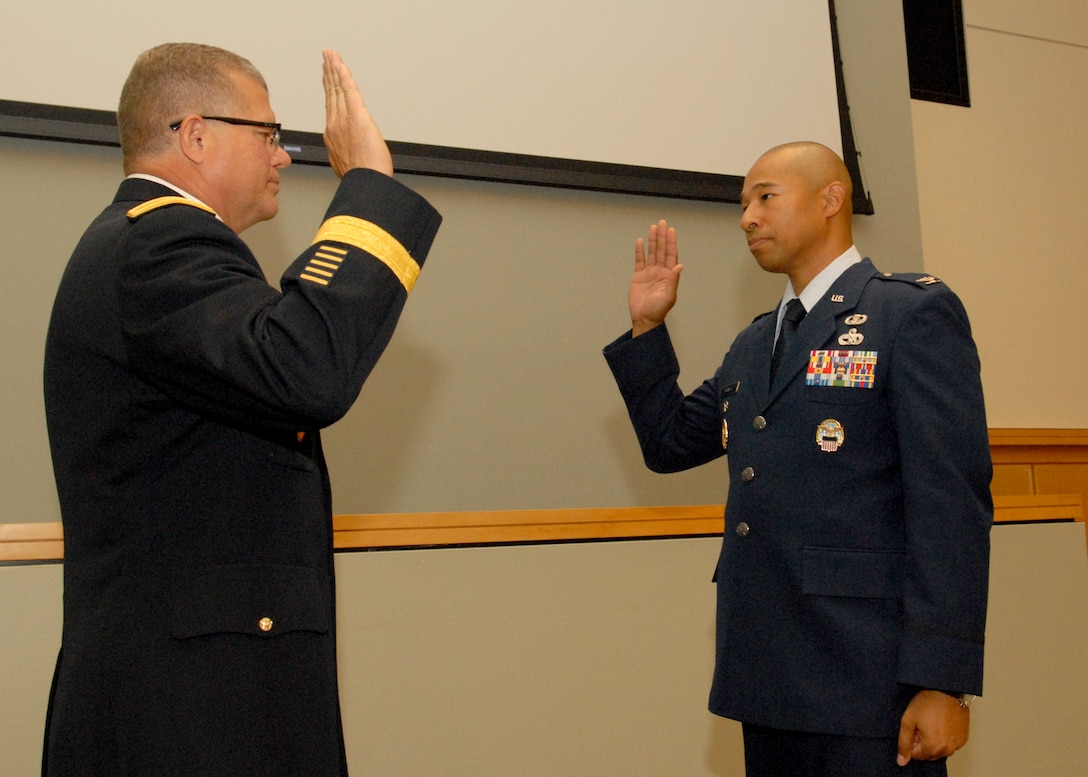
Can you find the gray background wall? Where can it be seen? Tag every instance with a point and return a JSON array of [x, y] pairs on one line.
[[493, 394]]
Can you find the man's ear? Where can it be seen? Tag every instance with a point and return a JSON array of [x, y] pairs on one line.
[[834, 198], [191, 138]]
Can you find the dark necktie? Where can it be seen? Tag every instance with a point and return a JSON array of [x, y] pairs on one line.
[[795, 311]]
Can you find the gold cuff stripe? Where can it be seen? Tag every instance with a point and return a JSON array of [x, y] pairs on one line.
[[333, 264], [161, 202], [371, 238], [311, 273]]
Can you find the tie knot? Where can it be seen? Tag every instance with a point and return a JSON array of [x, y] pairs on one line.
[[795, 311]]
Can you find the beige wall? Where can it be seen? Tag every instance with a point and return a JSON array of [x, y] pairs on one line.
[[592, 660], [1001, 191], [583, 659]]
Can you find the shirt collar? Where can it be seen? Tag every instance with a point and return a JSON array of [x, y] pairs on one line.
[[818, 286], [168, 185]]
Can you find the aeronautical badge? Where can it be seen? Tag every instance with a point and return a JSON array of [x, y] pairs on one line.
[[830, 435], [856, 320]]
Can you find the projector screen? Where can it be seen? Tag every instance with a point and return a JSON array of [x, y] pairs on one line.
[[612, 95]]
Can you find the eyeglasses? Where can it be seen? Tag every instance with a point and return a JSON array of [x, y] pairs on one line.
[[273, 136]]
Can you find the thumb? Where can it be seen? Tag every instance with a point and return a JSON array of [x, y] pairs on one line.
[[908, 737]]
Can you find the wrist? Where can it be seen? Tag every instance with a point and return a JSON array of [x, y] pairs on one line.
[[642, 327], [963, 699]]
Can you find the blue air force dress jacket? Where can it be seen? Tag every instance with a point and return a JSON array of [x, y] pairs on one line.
[[854, 565], [184, 395]]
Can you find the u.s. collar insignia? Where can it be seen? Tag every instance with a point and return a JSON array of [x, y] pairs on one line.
[[853, 337], [830, 435], [838, 298]]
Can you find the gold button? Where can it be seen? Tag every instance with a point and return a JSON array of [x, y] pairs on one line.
[[265, 624]]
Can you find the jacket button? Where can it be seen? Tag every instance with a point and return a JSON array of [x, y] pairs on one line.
[[265, 624], [760, 423], [743, 529], [747, 474]]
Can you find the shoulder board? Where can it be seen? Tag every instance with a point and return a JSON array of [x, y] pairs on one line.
[[162, 202], [913, 278]]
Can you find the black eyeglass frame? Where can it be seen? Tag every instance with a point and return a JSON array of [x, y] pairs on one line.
[[270, 125]]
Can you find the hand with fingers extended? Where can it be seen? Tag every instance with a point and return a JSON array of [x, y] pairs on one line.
[[351, 136], [656, 278]]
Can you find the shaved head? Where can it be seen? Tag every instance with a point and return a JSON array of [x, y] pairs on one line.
[[797, 210], [814, 163]]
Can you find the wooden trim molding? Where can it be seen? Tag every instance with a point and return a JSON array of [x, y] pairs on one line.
[[1039, 446], [525, 526], [1038, 507], [1034, 450], [26, 542], [43, 542]]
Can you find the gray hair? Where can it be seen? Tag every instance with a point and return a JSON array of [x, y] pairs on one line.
[[169, 82]]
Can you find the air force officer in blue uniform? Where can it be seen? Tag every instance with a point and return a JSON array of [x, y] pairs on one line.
[[852, 581]]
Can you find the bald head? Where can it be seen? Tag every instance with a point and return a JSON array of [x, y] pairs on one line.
[[797, 210], [814, 163]]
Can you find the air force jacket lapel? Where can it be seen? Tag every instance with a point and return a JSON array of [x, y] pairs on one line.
[[819, 328]]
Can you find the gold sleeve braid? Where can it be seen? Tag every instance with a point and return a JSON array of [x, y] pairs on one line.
[[369, 237]]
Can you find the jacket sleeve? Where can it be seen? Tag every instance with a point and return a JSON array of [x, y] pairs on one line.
[[202, 325], [675, 432], [948, 509]]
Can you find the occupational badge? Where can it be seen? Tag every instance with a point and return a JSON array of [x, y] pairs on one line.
[[853, 337], [830, 435]]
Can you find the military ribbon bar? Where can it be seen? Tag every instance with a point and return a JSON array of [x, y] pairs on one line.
[[841, 369]]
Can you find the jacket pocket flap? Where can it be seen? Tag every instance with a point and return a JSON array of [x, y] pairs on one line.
[[264, 600], [873, 574]]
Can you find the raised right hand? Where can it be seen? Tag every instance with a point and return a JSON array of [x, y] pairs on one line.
[[351, 136], [656, 278]]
